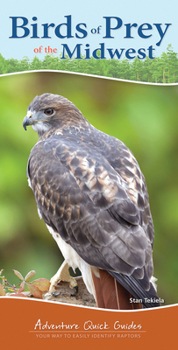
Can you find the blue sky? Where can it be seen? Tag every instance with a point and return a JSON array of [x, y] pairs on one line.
[[91, 13]]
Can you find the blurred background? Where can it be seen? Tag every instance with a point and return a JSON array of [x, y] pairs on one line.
[[144, 117]]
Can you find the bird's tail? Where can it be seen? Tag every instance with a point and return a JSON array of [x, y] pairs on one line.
[[110, 294], [113, 294]]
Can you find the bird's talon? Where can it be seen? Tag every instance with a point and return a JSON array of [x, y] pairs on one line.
[[75, 291], [56, 294]]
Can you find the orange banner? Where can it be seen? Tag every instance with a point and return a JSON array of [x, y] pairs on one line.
[[34, 324]]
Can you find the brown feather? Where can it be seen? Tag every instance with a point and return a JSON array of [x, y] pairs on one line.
[[109, 290], [124, 298], [110, 294], [98, 291]]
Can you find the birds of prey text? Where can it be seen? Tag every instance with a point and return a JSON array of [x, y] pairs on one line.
[[93, 198]]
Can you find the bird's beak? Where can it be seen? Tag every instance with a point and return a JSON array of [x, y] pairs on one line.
[[27, 120]]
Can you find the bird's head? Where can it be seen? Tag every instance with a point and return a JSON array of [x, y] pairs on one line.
[[47, 111]]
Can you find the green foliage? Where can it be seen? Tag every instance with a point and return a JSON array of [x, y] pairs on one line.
[[36, 287], [157, 70]]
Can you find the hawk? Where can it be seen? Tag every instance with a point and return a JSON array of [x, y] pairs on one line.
[[93, 199]]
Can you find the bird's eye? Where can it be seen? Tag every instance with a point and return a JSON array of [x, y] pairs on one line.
[[49, 111]]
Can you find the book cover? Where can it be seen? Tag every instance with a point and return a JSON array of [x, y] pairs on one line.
[[117, 63]]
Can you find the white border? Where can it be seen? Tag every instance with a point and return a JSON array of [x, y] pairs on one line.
[[87, 307], [89, 75]]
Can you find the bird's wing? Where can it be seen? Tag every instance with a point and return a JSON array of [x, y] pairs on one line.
[[123, 161], [81, 196]]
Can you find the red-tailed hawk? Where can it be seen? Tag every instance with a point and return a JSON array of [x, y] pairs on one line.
[[93, 198]]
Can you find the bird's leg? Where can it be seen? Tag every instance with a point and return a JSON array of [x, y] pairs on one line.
[[63, 275]]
